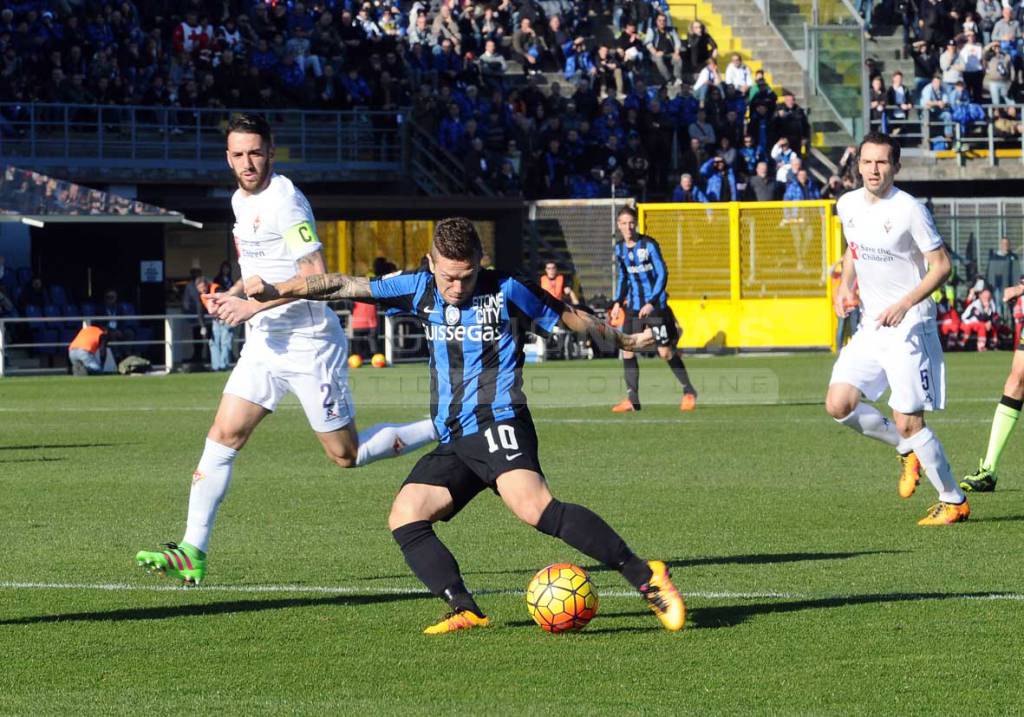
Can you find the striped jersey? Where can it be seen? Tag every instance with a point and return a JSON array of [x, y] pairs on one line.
[[476, 350], [641, 274]]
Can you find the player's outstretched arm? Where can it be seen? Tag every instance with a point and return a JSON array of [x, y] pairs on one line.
[[316, 287], [235, 309], [581, 322]]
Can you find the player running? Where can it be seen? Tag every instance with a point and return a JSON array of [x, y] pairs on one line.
[[1008, 411], [891, 238], [642, 302], [292, 347], [474, 321]]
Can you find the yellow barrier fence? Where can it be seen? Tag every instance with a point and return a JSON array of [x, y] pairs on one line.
[[748, 274]]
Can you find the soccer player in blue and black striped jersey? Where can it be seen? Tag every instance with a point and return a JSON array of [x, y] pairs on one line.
[[474, 320], [640, 294]]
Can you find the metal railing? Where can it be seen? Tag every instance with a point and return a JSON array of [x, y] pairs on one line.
[[146, 137], [920, 126], [175, 340], [827, 39], [434, 169], [168, 341]]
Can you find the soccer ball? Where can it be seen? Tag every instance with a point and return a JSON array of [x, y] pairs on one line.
[[379, 361], [561, 597], [355, 361]]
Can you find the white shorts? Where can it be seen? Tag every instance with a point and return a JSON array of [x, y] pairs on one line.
[[907, 360], [314, 369]]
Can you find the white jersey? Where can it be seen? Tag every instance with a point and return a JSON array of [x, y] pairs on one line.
[[888, 240], [273, 230]]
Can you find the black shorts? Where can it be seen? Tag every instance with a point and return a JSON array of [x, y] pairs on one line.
[[661, 321], [468, 465]]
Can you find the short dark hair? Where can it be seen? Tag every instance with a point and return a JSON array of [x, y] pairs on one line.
[[456, 238], [250, 124], [876, 137], [628, 210]]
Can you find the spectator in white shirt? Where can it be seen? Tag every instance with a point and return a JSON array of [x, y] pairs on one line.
[[737, 75], [952, 68], [972, 57], [782, 155], [708, 77]]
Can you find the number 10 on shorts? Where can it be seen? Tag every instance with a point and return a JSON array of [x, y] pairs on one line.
[[506, 437]]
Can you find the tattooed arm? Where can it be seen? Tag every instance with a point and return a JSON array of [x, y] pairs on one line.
[[235, 309], [317, 287], [583, 323]]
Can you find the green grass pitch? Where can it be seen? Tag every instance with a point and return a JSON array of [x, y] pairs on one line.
[[810, 588]]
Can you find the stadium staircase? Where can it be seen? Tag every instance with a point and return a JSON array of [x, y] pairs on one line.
[[740, 26]]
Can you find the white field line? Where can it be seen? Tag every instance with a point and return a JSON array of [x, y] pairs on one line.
[[371, 590], [536, 406]]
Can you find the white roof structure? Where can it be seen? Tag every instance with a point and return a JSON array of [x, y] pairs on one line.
[[37, 199]]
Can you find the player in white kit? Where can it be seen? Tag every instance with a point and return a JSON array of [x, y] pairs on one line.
[[292, 347], [898, 259]]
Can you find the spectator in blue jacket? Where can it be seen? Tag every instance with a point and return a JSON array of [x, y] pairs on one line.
[[720, 181], [452, 129], [687, 191], [447, 62], [578, 63], [751, 154], [358, 91], [801, 187]]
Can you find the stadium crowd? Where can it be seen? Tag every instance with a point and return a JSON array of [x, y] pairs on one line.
[[966, 54], [536, 98]]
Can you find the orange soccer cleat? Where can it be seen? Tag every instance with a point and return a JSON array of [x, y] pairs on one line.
[[689, 402], [457, 620], [624, 406], [946, 514], [910, 476], [663, 598]]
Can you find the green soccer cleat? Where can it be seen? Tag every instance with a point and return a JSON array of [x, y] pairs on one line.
[[981, 481], [185, 562]]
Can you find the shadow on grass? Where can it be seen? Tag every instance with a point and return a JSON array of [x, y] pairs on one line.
[[999, 519], [36, 447], [753, 559], [733, 615], [600, 619], [214, 608]]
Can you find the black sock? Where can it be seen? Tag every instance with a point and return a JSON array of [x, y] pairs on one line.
[[632, 370], [1015, 403], [679, 371], [434, 564], [586, 531]]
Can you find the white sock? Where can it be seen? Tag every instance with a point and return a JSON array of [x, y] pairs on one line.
[[209, 485], [933, 459], [866, 419], [379, 441]]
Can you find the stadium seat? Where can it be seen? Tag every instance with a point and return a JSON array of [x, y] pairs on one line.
[[24, 276], [127, 309], [71, 310], [58, 296], [32, 311], [46, 336], [87, 308]]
